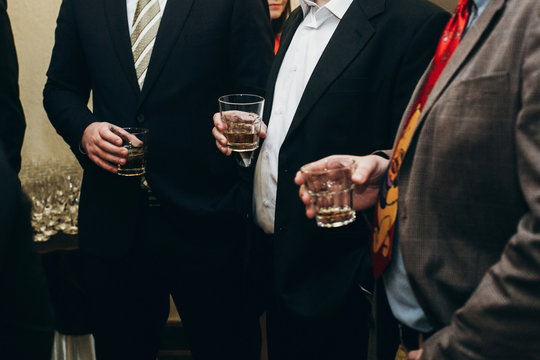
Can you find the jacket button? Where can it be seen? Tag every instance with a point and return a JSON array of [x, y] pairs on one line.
[[140, 118]]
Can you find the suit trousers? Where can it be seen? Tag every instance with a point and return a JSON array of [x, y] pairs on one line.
[[26, 344], [385, 338], [342, 334], [199, 260]]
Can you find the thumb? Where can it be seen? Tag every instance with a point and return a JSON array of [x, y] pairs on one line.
[[262, 133]]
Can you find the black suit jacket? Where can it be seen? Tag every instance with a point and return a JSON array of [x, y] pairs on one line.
[[25, 309], [352, 104], [12, 124], [204, 49]]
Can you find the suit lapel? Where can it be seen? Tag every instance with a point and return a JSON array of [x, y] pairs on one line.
[[294, 20], [172, 23], [352, 34], [460, 56], [116, 14]]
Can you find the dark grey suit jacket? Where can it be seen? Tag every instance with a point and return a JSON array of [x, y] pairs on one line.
[[469, 197]]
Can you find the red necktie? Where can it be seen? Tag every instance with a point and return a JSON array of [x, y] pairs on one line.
[[385, 216]]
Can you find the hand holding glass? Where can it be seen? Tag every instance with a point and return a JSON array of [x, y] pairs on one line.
[[331, 191], [135, 140], [241, 113]]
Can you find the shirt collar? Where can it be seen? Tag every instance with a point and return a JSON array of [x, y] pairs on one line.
[[336, 7], [480, 5]]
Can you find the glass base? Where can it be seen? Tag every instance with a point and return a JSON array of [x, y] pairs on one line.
[[336, 218], [131, 172], [244, 158]]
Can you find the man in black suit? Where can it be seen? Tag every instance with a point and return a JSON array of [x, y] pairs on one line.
[[342, 77], [26, 320], [184, 237], [12, 124]]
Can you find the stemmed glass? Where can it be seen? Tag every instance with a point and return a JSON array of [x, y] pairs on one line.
[[54, 192]]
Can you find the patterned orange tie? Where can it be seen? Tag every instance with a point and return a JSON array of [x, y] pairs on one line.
[[385, 215]]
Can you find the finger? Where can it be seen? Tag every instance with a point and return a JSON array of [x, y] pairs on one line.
[[310, 211], [218, 122], [299, 178], [363, 171], [304, 195], [103, 164], [360, 175], [108, 157], [368, 168], [218, 135], [133, 140], [224, 149], [263, 131], [317, 165], [112, 149], [112, 134], [126, 136]]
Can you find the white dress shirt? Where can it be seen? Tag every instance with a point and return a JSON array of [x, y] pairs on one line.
[[303, 54], [132, 5]]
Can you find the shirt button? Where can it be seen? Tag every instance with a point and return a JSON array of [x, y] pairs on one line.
[[266, 203], [266, 155], [294, 68], [140, 118]]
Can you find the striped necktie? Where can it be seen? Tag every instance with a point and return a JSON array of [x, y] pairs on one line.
[[145, 27]]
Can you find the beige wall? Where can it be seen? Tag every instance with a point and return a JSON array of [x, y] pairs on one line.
[[449, 5], [33, 25]]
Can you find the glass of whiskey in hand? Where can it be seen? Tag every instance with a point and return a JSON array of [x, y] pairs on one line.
[[331, 192], [135, 140], [242, 115]]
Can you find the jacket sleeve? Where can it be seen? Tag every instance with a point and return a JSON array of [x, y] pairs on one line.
[[251, 46], [501, 320], [68, 85], [12, 123]]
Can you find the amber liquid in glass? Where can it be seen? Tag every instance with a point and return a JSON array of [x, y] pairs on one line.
[[135, 162]]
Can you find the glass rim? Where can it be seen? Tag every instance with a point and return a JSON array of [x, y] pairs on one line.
[[135, 130], [350, 164], [259, 99]]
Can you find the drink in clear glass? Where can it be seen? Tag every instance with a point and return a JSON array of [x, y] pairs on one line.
[[242, 131], [136, 144], [334, 215], [331, 192], [242, 115]]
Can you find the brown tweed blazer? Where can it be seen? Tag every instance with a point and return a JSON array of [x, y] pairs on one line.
[[469, 204]]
